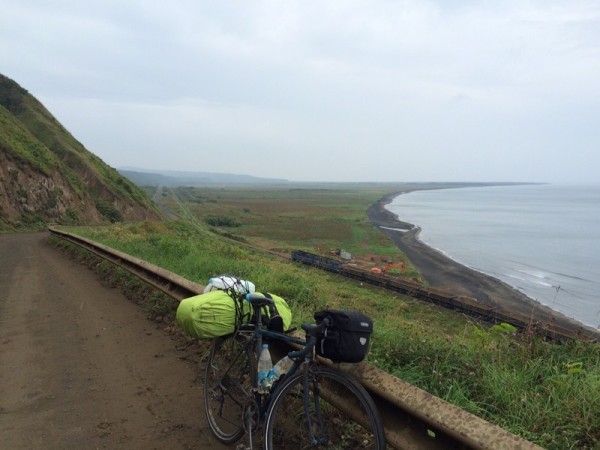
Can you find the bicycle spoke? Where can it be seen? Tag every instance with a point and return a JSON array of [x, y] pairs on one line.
[[228, 388], [339, 415]]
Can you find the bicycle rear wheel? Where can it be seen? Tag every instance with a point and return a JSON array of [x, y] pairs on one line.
[[229, 378], [342, 414]]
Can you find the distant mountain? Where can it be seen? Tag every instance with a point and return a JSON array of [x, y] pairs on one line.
[[143, 177], [47, 176]]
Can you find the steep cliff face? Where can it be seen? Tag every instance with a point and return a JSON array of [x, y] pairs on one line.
[[28, 196], [47, 176]]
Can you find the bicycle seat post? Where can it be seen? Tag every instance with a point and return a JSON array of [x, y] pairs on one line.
[[256, 302]]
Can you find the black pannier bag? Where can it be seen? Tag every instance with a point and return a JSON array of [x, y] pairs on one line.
[[347, 337]]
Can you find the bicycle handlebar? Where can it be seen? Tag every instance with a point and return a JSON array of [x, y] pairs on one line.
[[312, 332], [315, 330]]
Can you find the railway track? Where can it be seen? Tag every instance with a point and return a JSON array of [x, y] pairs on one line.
[[465, 305], [413, 419]]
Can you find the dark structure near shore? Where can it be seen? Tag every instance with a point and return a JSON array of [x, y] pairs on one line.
[[463, 304]]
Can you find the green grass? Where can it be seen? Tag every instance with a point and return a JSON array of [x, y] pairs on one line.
[[16, 140], [547, 392], [318, 218]]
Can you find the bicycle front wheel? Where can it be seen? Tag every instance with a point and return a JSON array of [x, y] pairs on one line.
[[337, 413], [229, 378]]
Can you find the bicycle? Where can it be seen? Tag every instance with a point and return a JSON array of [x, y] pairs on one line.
[[309, 406]]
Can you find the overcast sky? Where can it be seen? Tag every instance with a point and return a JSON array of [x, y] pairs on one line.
[[401, 90]]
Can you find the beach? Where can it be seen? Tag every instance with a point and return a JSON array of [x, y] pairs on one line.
[[441, 272]]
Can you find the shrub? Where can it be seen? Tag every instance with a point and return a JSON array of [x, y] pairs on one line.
[[222, 221]]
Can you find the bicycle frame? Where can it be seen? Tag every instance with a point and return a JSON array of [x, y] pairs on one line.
[[259, 333], [302, 356], [258, 407]]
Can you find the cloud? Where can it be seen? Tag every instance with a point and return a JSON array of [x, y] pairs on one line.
[[319, 90]]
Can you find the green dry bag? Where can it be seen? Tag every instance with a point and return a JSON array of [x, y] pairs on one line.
[[217, 314]]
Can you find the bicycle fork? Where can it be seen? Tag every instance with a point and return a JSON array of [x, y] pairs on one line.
[[322, 438]]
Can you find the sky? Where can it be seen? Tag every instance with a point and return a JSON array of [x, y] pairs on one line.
[[389, 91]]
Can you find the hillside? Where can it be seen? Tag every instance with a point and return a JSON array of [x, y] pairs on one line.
[[47, 176]]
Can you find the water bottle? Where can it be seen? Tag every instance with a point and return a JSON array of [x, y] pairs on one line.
[[282, 367], [265, 366]]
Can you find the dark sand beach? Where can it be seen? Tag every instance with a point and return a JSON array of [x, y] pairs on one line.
[[446, 274]]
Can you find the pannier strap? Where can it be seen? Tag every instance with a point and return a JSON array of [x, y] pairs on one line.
[[275, 321]]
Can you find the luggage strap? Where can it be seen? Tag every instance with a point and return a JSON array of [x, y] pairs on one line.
[[275, 321]]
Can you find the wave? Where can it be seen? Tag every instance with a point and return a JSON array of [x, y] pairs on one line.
[[527, 246], [536, 273], [515, 277], [549, 272]]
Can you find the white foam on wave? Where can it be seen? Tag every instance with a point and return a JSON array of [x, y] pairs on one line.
[[515, 277], [533, 273], [515, 249]]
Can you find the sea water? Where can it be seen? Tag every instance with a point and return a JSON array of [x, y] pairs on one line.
[[542, 239]]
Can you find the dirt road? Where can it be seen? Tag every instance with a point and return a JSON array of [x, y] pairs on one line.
[[81, 367]]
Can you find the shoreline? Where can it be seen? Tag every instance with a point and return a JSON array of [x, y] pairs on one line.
[[444, 273]]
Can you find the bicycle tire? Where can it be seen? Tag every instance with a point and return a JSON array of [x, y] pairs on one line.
[[286, 423], [229, 378]]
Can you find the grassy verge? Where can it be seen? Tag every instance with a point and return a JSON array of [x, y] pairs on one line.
[[546, 392]]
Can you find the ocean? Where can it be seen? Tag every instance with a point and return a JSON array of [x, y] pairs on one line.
[[542, 239]]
